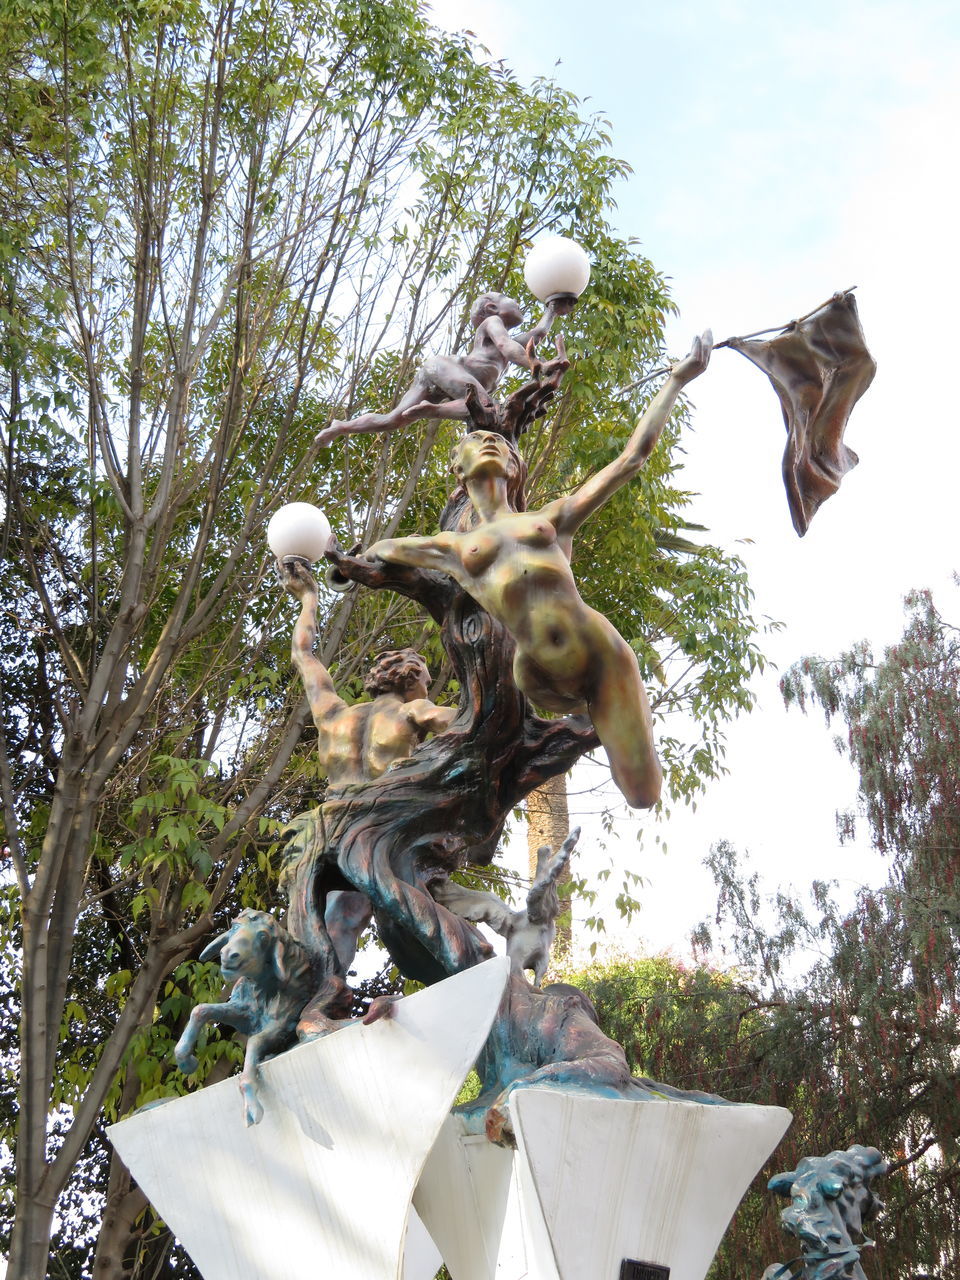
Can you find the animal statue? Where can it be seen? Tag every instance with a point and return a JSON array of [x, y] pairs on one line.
[[273, 981], [830, 1199], [530, 932]]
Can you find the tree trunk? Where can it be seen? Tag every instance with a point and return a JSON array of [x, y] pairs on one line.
[[548, 822], [30, 1242]]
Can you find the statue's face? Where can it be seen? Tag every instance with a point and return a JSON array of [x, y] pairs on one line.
[[509, 311], [482, 452], [496, 304], [423, 680]]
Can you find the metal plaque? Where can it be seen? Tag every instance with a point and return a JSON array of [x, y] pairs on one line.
[[630, 1269]]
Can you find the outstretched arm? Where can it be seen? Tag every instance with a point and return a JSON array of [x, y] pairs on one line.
[[512, 349], [321, 695], [569, 513], [472, 904], [437, 552], [430, 718]]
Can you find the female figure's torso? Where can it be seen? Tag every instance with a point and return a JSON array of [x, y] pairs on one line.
[[515, 567]]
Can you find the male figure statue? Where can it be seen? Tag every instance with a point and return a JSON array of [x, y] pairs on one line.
[[358, 743]]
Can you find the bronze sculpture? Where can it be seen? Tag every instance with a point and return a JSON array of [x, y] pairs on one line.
[[819, 367], [273, 979], [401, 815], [361, 741], [460, 387], [831, 1198], [517, 568], [356, 743], [529, 932]]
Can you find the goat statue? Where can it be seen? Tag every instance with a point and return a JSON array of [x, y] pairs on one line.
[[273, 980]]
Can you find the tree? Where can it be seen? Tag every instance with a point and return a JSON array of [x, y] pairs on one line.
[[223, 223], [864, 1045]]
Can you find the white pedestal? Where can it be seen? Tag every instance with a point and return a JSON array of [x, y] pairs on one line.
[[421, 1257], [322, 1186], [593, 1181]]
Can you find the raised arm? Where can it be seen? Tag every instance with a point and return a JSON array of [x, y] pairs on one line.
[[569, 513], [321, 695], [512, 349], [559, 307]]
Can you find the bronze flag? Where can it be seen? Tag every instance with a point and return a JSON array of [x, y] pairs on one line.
[[819, 367]]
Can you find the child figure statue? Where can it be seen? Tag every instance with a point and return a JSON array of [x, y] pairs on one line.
[[460, 387]]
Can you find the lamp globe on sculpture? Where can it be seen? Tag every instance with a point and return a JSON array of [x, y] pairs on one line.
[[557, 268], [299, 531]]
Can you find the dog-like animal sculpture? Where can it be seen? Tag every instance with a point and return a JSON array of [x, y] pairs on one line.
[[273, 981]]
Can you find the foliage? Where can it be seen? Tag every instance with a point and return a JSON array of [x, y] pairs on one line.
[[865, 1045], [221, 223], [675, 1021]]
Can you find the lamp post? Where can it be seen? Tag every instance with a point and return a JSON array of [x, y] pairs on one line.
[[299, 531], [556, 268]]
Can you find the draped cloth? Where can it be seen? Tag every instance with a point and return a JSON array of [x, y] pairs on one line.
[[819, 367]]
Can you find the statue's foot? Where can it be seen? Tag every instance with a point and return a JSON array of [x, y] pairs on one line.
[[329, 434], [252, 1107], [183, 1055], [498, 1126]]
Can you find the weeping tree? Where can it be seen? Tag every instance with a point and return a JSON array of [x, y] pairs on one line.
[[221, 224], [864, 1045]]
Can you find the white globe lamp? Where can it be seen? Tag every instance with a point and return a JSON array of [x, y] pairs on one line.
[[299, 529], [556, 267]]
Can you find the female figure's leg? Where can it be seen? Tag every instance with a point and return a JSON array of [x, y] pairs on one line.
[[620, 711]]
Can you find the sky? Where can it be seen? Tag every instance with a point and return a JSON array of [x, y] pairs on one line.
[[781, 154]]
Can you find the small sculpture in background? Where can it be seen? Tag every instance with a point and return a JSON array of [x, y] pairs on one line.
[[460, 387], [530, 932], [273, 980], [831, 1198]]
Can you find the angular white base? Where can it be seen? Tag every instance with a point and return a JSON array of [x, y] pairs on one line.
[[322, 1186], [421, 1257], [593, 1181]]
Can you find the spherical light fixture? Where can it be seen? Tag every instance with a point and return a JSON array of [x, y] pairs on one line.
[[299, 529], [556, 267]]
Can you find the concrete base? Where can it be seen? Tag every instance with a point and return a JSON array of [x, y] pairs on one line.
[[323, 1185], [593, 1182]]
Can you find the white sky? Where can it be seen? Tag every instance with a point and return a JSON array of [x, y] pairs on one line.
[[782, 153]]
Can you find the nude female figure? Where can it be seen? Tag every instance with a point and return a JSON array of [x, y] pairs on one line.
[[517, 567], [444, 384]]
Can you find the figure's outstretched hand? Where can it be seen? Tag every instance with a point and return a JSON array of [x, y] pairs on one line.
[[692, 365], [329, 434], [562, 304], [296, 577]]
